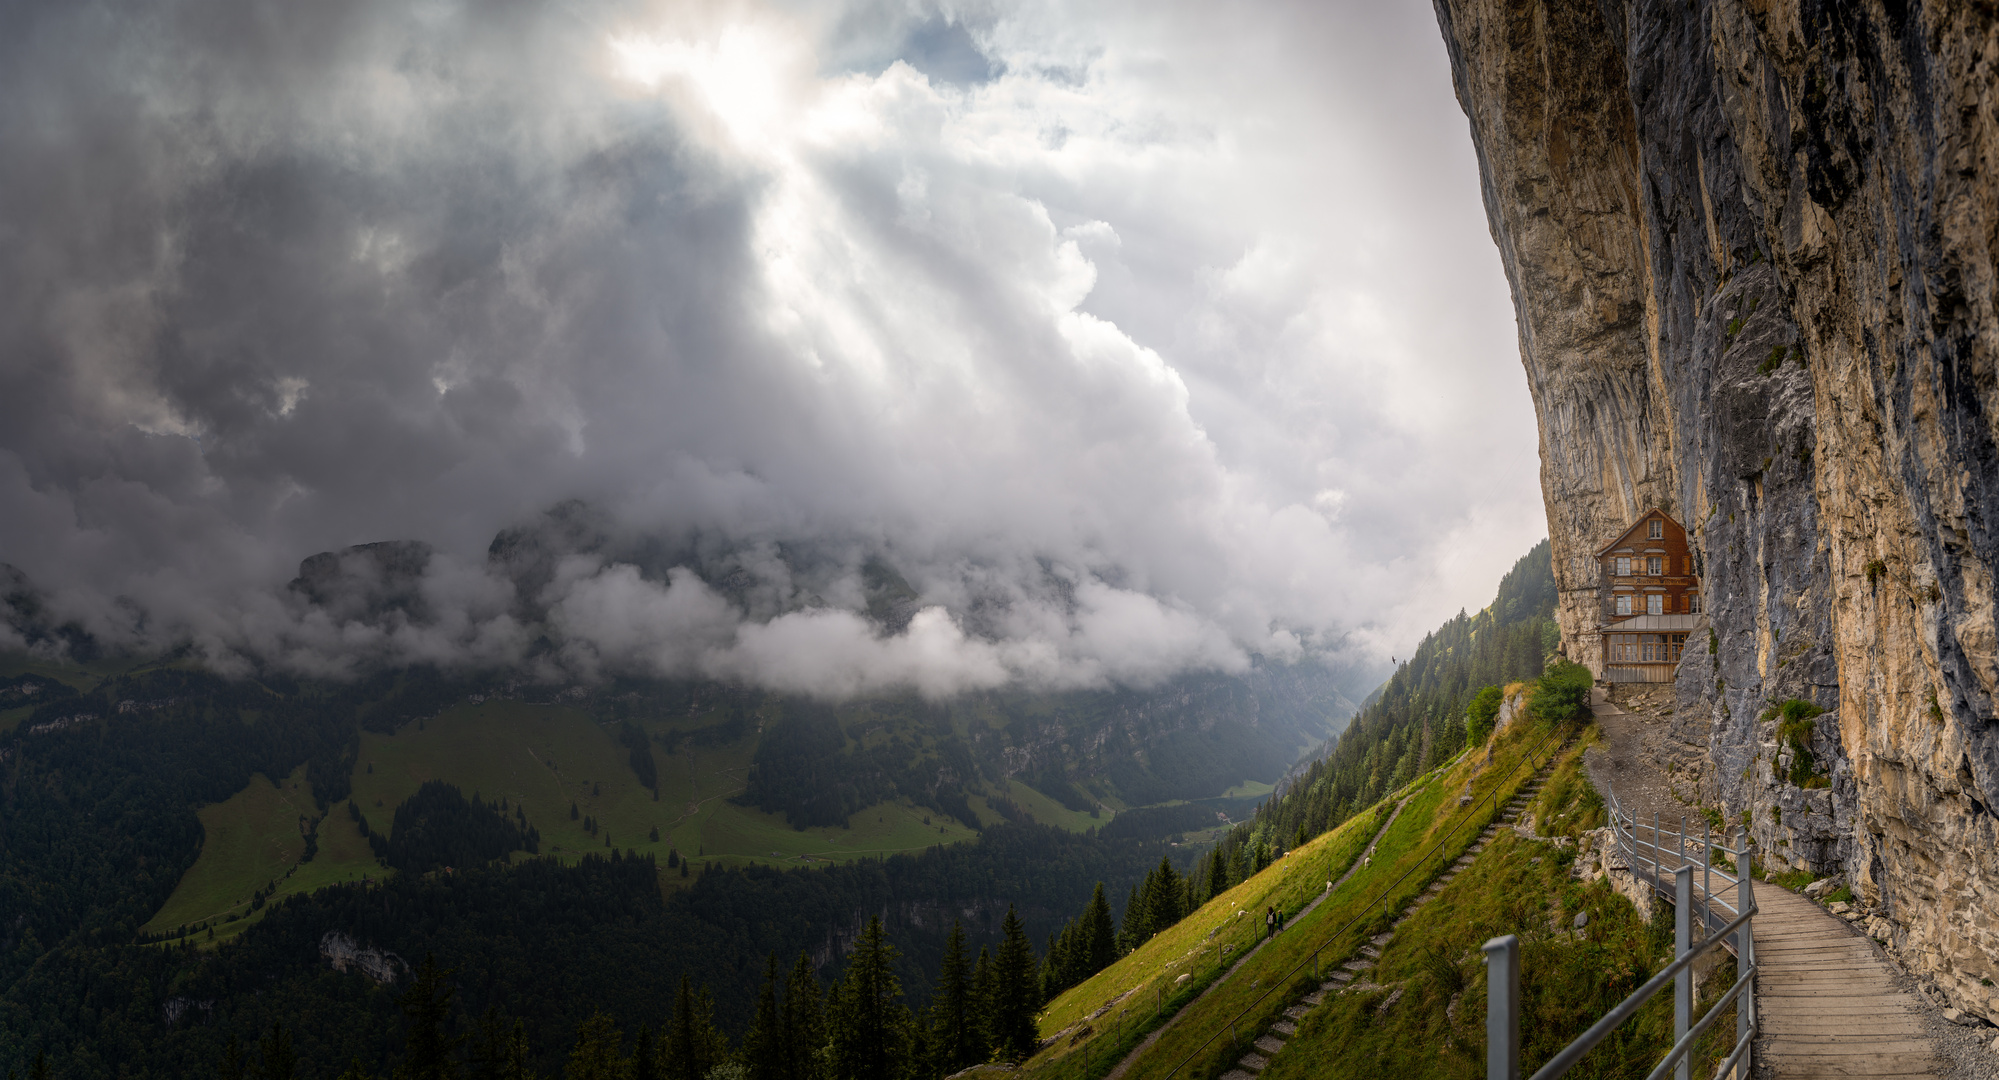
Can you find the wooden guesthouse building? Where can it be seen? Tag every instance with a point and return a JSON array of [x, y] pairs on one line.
[[1650, 587]]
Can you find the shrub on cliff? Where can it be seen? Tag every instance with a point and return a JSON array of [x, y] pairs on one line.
[[1561, 694], [1480, 713]]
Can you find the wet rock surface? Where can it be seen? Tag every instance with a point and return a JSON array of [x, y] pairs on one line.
[[1752, 250]]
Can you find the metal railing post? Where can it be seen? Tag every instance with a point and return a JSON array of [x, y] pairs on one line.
[[1655, 849], [1745, 951], [1683, 943], [1502, 1008], [1707, 882]]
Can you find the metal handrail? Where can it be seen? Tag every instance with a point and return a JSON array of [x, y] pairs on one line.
[[1628, 843], [1502, 959], [1284, 980]]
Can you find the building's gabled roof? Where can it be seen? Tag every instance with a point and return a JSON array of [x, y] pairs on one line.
[[1642, 519]]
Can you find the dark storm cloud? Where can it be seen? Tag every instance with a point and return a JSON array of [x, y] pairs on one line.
[[1131, 337]]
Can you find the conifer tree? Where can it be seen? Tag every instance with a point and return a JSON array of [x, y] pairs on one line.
[[490, 1046], [690, 1050], [645, 1064], [1131, 928], [356, 1071], [868, 1025], [764, 1051], [427, 1049], [1099, 934], [1054, 971], [598, 1053], [275, 1052], [804, 1023], [1015, 1000], [981, 1027], [957, 1040], [232, 1060]]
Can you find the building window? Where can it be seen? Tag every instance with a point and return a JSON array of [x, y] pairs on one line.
[[1624, 605], [1658, 529], [1652, 566], [1623, 566], [1655, 604], [1695, 599]]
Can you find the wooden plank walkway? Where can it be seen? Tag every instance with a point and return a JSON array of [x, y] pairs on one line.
[[1826, 998], [1828, 1002]]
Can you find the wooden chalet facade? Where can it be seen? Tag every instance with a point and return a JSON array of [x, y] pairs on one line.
[[1650, 587]]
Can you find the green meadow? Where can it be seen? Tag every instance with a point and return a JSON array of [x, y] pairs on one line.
[[548, 759], [253, 841]]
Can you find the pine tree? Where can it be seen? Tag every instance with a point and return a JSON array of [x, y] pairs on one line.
[[869, 1026], [489, 1046], [356, 1071], [957, 1041], [1053, 975], [598, 1053], [1099, 934], [981, 1027], [687, 1052], [275, 1051], [518, 1064], [1014, 998], [645, 1058], [426, 1006], [1130, 929], [804, 1023], [232, 1060], [764, 1051]]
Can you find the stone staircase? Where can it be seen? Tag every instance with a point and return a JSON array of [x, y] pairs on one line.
[[1353, 974]]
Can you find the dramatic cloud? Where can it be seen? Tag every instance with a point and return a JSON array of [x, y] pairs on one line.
[[1135, 338]]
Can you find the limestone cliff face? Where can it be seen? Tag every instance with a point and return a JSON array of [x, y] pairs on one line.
[[1751, 245]]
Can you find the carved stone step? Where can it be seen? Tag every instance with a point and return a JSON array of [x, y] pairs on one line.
[[1336, 979], [1297, 1012], [1358, 965], [1270, 1044], [1315, 997], [1285, 1028], [1254, 1062], [1370, 952]]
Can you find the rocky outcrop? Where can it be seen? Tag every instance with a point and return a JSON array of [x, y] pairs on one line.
[[345, 954], [1751, 245]]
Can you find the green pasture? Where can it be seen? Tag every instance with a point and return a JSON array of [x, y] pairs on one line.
[[546, 758], [253, 840]]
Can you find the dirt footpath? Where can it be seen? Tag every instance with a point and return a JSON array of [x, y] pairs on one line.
[[1637, 757]]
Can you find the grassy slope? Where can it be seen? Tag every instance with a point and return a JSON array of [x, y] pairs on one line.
[[1364, 900], [1436, 1027], [254, 839], [546, 757], [1198, 947]]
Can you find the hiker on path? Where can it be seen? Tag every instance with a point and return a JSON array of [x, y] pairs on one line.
[[1270, 922]]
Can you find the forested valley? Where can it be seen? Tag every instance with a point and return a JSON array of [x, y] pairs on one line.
[[469, 955]]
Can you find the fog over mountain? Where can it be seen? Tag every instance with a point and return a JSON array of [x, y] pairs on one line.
[[826, 347]]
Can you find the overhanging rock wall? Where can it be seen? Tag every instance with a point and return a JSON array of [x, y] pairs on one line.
[[1751, 245]]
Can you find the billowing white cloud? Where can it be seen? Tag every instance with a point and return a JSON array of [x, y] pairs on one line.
[[1137, 337]]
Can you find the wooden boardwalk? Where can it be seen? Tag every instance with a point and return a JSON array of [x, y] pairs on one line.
[[1828, 1002], [1826, 998]]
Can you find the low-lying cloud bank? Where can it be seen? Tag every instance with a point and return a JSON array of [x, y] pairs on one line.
[[1130, 339]]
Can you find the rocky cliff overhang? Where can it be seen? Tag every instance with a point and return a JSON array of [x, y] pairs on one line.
[[1752, 249]]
